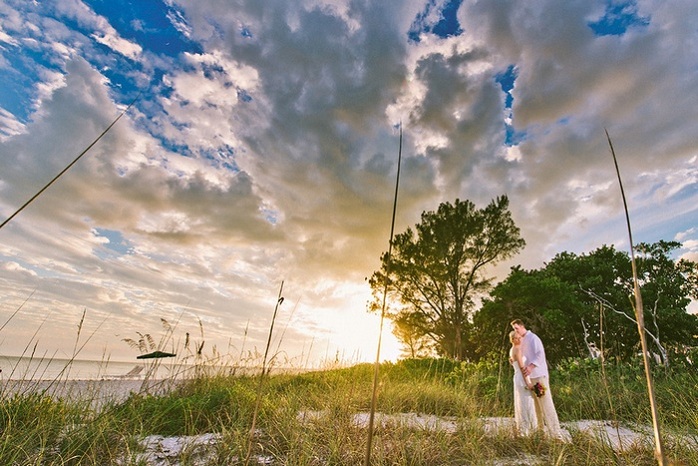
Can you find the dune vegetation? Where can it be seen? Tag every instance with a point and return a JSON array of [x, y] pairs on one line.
[[430, 412]]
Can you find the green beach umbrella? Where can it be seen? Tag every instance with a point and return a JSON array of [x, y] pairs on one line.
[[156, 355]]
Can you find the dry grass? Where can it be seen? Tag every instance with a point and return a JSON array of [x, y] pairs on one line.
[[427, 414]]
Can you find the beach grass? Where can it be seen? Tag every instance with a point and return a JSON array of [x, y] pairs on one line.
[[432, 412]]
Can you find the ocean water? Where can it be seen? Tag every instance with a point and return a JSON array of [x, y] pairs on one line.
[[37, 368]]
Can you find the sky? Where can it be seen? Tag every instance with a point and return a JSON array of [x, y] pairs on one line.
[[259, 156]]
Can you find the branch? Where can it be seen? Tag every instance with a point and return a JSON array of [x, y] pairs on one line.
[[608, 305]]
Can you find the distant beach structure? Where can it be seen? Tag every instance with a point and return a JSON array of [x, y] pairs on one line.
[[134, 373]]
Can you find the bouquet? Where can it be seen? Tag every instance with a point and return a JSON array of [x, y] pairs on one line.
[[539, 389]]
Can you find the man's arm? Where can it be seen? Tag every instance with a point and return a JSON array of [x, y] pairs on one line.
[[534, 353]]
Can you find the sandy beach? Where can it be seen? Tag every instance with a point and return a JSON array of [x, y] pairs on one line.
[[96, 392]]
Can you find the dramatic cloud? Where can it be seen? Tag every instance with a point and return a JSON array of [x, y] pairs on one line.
[[262, 147]]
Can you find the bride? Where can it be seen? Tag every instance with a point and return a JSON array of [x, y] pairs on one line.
[[524, 405]]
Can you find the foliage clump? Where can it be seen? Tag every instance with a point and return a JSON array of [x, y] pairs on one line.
[[435, 274]]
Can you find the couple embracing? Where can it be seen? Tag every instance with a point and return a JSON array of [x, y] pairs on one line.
[[533, 401]]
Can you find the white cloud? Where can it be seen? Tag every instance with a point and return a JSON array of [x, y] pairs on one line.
[[9, 125], [103, 32], [15, 267], [4, 37], [682, 235], [118, 44], [691, 244], [272, 154]]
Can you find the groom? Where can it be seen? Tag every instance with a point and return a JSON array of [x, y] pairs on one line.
[[537, 370]]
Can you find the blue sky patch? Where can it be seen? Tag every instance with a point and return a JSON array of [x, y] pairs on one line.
[[243, 96], [270, 215], [447, 25], [148, 23], [19, 80], [619, 16], [181, 149], [117, 243], [222, 157], [513, 137], [13, 97], [506, 80]]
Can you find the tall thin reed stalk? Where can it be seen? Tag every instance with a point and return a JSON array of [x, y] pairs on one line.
[[65, 372], [29, 343], [242, 348], [604, 378], [283, 332], [70, 164], [258, 402], [639, 314], [77, 340], [376, 366], [12, 316]]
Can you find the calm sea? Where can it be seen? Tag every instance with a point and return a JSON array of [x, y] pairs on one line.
[[25, 368]]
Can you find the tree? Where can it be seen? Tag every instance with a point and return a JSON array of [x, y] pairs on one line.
[[549, 306], [607, 274], [576, 300], [667, 288], [414, 345], [435, 274], [604, 278]]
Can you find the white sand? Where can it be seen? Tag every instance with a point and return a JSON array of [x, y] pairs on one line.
[[96, 392]]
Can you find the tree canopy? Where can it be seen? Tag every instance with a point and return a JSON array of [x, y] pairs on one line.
[[579, 302], [436, 273], [441, 302]]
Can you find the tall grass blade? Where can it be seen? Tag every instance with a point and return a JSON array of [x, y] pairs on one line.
[[65, 371], [283, 332], [604, 378], [258, 402], [77, 339], [639, 314], [17, 310], [376, 366], [70, 164], [242, 348]]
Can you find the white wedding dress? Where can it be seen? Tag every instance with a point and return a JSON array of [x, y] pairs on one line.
[[524, 405]]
